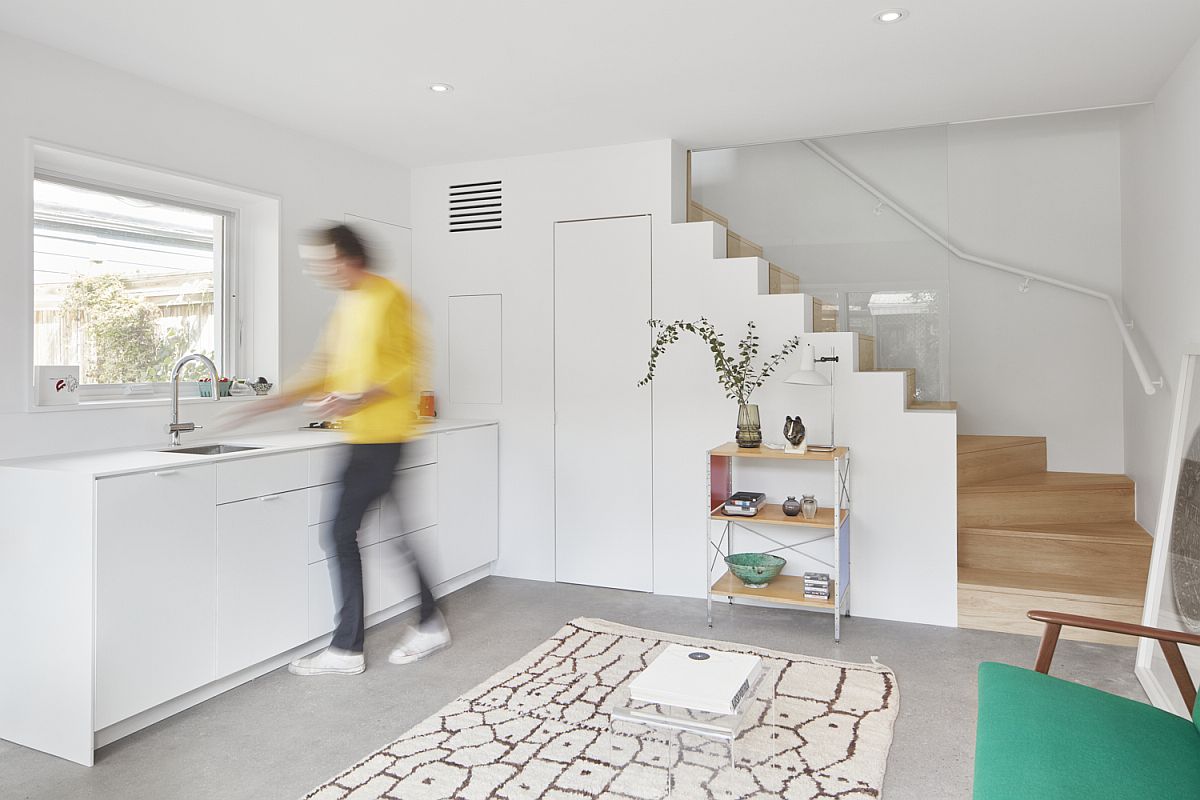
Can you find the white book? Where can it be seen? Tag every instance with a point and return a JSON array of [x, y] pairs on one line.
[[697, 679]]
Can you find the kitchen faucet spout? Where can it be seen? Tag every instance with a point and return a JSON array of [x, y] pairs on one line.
[[176, 427]]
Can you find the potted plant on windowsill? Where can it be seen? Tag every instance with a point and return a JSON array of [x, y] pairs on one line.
[[739, 376], [223, 386]]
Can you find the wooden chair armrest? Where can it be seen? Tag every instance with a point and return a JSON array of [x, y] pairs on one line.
[[1168, 640], [1112, 626]]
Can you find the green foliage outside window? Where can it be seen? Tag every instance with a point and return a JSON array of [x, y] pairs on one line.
[[125, 343]]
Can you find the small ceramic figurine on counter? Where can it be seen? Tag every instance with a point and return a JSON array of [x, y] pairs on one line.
[[793, 431]]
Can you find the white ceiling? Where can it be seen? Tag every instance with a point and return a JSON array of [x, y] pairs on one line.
[[541, 75]]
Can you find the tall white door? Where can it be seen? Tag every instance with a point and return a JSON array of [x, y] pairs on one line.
[[602, 445]]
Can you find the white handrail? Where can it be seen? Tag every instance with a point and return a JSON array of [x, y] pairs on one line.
[[1130, 347]]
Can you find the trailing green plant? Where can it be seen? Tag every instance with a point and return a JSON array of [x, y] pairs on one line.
[[738, 375]]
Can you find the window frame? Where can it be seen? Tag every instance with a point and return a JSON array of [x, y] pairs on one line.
[[226, 283], [196, 177]]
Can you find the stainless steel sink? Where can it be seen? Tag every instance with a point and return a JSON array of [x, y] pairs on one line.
[[211, 449]]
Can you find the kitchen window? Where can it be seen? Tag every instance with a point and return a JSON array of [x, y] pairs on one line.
[[124, 283]]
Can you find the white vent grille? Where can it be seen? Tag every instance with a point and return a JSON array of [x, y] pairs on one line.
[[475, 206]]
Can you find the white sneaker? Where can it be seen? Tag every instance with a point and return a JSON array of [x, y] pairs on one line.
[[330, 661], [420, 642]]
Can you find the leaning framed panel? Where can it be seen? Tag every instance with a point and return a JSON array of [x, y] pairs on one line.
[[1173, 588]]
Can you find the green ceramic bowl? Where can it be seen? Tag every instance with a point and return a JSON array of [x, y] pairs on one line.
[[755, 570]]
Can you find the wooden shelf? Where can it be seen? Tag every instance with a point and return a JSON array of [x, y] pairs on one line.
[[787, 589], [772, 514], [730, 449]]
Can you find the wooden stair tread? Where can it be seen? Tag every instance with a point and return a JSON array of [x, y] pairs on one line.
[[1051, 481], [1121, 589], [969, 443], [1123, 532]]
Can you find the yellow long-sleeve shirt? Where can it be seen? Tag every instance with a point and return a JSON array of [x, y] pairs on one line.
[[371, 340]]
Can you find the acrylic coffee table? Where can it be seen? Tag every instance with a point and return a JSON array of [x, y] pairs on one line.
[[705, 742]]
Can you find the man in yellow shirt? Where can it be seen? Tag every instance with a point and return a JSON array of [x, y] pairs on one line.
[[365, 371]]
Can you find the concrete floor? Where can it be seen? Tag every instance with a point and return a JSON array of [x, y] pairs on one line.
[[280, 735]]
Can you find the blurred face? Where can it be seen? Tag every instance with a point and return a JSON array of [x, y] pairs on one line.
[[330, 268]]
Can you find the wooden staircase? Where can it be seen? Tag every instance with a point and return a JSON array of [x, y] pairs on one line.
[[1028, 538]]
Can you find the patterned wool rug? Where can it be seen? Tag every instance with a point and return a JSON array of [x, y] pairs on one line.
[[536, 730]]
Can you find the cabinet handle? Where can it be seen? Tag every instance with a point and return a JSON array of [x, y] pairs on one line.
[[167, 472], [265, 498]]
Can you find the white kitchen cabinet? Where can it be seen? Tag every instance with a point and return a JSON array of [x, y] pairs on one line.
[[468, 499], [320, 537], [156, 594], [258, 475], [322, 604], [323, 503], [413, 503], [262, 590], [325, 464], [177, 577], [394, 577]]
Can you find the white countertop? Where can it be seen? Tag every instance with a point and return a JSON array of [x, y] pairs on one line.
[[103, 463]]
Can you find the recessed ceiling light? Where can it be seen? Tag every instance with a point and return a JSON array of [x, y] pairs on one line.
[[441, 88], [891, 15]]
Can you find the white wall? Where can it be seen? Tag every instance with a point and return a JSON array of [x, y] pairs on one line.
[[63, 100], [1041, 193], [1161, 192], [690, 413], [518, 263], [1162, 265]]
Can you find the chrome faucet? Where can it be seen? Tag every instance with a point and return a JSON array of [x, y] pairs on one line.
[[176, 427]]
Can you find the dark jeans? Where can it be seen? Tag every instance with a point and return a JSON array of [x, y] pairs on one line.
[[368, 477]]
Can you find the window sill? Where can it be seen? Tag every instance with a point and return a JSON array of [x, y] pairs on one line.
[[143, 402]]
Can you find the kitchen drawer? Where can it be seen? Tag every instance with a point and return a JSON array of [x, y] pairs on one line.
[[325, 464], [323, 500], [320, 537], [395, 581], [413, 504], [419, 452], [261, 475]]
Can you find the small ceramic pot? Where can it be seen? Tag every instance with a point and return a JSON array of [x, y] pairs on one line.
[[791, 506]]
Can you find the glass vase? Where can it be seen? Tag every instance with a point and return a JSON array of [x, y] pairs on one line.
[[808, 505], [749, 429]]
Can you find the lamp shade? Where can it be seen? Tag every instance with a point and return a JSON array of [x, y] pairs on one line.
[[807, 375]]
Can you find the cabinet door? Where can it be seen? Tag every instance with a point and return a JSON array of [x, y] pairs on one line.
[[322, 604], [155, 589], [262, 578], [468, 500]]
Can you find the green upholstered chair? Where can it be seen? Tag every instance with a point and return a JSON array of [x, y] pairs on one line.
[[1042, 738]]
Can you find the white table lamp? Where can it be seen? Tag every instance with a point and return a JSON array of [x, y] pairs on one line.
[[807, 375]]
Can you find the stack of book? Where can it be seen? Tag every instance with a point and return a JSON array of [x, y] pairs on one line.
[[745, 504], [816, 585]]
